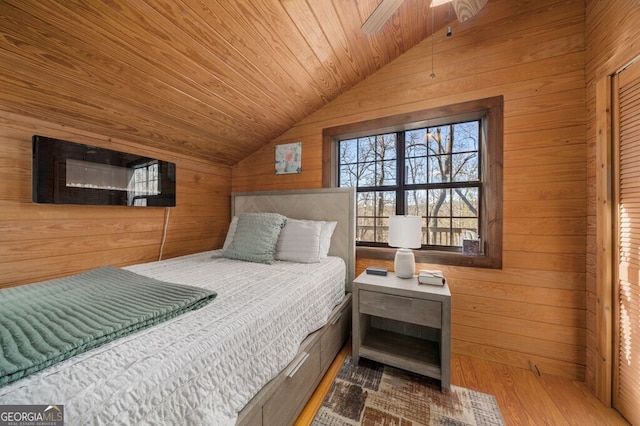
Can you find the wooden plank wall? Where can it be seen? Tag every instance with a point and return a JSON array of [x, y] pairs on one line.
[[613, 39], [530, 314], [45, 241]]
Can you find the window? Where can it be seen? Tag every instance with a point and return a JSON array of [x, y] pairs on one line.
[[430, 172], [145, 183], [443, 165]]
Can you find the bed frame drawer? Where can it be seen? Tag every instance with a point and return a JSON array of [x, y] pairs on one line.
[[282, 399], [298, 386], [335, 336], [407, 309]]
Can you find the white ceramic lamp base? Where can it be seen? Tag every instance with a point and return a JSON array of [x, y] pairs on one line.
[[404, 263]]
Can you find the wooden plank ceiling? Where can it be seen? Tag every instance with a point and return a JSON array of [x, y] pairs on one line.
[[216, 79]]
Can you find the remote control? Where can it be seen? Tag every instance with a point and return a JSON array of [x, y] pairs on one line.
[[376, 270]]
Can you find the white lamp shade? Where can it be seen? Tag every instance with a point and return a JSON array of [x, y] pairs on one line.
[[405, 231]]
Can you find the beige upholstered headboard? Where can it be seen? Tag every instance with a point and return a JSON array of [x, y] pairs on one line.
[[314, 204]]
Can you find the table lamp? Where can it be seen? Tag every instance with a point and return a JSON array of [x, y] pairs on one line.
[[405, 232]]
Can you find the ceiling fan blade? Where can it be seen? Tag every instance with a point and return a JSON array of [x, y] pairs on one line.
[[466, 9], [380, 16]]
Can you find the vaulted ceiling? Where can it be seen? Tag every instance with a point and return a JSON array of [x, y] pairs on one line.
[[215, 79]]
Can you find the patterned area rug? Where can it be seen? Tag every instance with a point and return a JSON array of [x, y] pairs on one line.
[[374, 394]]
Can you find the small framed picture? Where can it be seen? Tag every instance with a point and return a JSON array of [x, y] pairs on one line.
[[289, 158]]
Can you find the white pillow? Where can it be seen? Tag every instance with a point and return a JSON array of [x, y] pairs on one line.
[[230, 233], [299, 241], [325, 238]]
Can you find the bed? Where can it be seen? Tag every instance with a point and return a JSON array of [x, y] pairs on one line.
[[251, 356]]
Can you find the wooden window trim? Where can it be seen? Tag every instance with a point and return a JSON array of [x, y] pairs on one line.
[[491, 213]]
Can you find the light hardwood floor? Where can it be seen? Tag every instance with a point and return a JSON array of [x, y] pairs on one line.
[[524, 397]]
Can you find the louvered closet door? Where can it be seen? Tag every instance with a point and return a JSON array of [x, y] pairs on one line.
[[626, 382]]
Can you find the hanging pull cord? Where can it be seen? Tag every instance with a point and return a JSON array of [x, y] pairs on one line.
[[433, 74]]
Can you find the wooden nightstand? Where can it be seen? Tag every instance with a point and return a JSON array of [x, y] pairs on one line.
[[403, 324]]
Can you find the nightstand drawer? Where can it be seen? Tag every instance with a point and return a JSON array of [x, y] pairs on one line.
[[400, 308]]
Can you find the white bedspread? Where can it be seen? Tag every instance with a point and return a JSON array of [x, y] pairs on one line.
[[203, 367]]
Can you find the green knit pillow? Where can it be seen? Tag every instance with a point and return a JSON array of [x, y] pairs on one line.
[[256, 237]]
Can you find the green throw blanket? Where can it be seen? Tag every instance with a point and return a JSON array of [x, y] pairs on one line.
[[44, 323]]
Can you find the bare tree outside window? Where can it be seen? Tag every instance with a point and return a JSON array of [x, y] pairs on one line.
[[369, 163]]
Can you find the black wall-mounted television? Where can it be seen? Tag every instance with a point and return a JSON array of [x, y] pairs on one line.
[[72, 173]]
